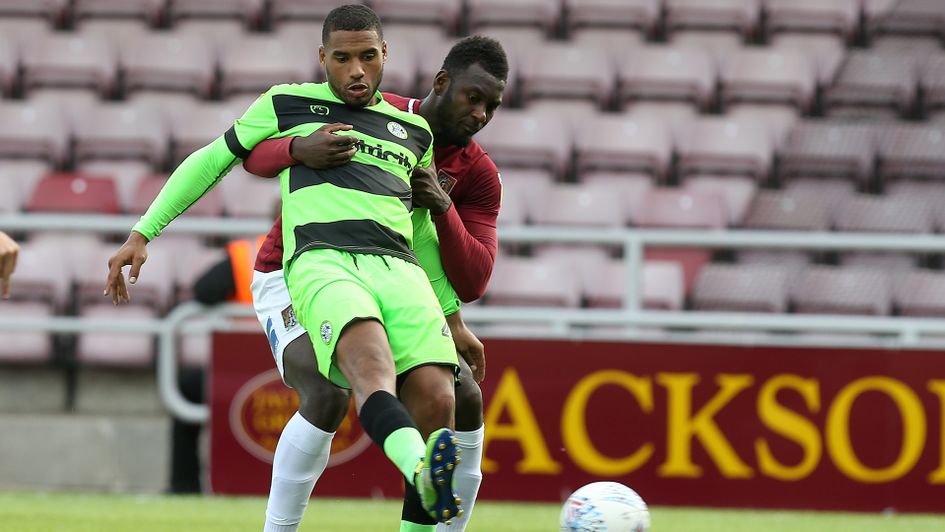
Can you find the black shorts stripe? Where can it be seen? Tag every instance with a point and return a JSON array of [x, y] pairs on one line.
[[293, 111], [353, 176], [233, 143], [354, 236]]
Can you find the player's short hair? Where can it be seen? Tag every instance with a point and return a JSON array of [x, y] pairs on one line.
[[351, 17], [477, 50]]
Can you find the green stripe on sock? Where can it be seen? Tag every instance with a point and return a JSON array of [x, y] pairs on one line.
[[407, 526], [405, 448]]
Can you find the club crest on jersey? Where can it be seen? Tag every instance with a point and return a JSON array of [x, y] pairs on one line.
[[288, 318], [447, 182], [325, 331], [397, 130], [320, 110]]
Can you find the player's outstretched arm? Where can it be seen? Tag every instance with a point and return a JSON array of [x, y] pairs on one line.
[[9, 250], [323, 148], [133, 252], [468, 346]]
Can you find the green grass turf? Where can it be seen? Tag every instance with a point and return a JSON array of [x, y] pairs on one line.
[[65, 512]]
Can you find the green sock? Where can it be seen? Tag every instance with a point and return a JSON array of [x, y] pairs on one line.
[[405, 447], [407, 526]]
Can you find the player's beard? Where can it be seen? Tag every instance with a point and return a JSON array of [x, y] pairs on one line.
[[448, 136]]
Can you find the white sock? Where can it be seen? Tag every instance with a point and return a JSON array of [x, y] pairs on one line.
[[467, 477], [301, 457]]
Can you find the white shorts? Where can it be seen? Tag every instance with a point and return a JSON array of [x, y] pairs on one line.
[[275, 313]]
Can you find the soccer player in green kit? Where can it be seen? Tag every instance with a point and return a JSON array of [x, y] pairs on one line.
[[348, 235]]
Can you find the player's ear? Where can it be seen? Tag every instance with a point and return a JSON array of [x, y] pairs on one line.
[[321, 55], [441, 82], [384, 51]]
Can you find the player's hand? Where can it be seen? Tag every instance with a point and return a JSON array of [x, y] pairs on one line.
[[323, 148], [133, 252], [427, 192], [468, 346], [9, 250]]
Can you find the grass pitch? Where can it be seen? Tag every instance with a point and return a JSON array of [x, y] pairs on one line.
[[66, 512]]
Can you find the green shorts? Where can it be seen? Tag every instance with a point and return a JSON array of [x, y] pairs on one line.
[[330, 289]]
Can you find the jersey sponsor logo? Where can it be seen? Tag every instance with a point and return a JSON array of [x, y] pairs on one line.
[[447, 182], [326, 332], [320, 110], [446, 330], [378, 152], [288, 318], [272, 336], [397, 130]]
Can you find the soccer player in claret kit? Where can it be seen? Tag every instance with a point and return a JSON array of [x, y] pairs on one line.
[[348, 232], [464, 200]]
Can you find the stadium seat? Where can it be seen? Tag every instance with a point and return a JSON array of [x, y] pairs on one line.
[[211, 204], [21, 31], [643, 14], [151, 11], [736, 191], [825, 52], [168, 62], [249, 11], [932, 80], [118, 32], [742, 288], [931, 193], [738, 15], [676, 115], [833, 290], [661, 286], [624, 142], [726, 145], [908, 151], [788, 211], [544, 14], [401, 71], [523, 281], [522, 189], [8, 65], [201, 126], [116, 349], [218, 33], [778, 119], [916, 47], [191, 260], [834, 191], [430, 56], [304, 9], [56, 11], [126, 174], [580, 205], [717, 44], [631, 187], [792, 261], [71, 60], [905, 16], [26, 347], [829, 148], [153, 289], [768, 75], [895, 214], [838, 16], [578, 71], [74, 193], [897, 264], [921, 293], [666, 73], [17, 179], [121, 130], [247, 195], [873, 80], [677, 208], [444, 13], [613, 42], [517, 138], [40, 276], [31, 129], [254, 63]]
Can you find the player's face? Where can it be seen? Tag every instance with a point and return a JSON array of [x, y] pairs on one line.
[[354, 65], [470, 100]]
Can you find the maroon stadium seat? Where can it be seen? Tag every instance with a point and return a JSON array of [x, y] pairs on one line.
[[833, 290], [912, 151], [921, 293], [725, 145], [527, 139], [168, 61], [829, 148], [523, 281], [578, 71], [256, 62], [769, 75], [666, 73], [26, 347], [126, 175], [580, 205], [738, 15], [624, 142], [444, 13], [121, 130], [71, 60], [643, 14], [870, 79], [788, 211], [736, 191], [541, 13], [887, 214], [742, 288], [839, 16], [116, 349], [75, 193]]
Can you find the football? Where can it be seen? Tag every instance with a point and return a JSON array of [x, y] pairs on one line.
[[605, 507]]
